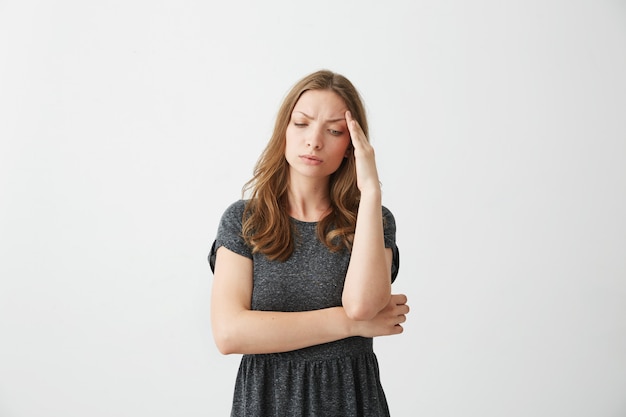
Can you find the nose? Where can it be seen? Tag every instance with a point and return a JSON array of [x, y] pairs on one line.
[[315, 139]]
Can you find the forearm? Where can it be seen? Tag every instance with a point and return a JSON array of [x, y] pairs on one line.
[[367, 286], [255, 332]]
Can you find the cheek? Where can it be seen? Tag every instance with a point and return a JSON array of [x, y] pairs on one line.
[[293, 135], [288, 134], [347, 148], [290, 137]]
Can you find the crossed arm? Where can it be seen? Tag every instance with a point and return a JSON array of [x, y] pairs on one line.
[[239, 329]]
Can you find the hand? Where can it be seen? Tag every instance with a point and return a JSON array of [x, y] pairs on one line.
[[388, 321], [366, 172]]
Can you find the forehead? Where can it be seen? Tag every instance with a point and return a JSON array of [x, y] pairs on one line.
[[322, 102]]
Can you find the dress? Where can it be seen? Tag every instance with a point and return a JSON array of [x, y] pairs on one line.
[[336, 379]]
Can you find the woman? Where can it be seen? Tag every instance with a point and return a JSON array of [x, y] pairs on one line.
[[303, 268]]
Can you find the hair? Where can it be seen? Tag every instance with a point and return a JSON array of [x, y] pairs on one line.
[[267, 227]]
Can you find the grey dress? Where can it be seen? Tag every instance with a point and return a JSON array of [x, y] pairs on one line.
[[340, 378]]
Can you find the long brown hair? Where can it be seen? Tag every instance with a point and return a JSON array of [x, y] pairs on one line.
[[266, 225]]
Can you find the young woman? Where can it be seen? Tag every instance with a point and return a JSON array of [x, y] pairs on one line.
[[303, 268]]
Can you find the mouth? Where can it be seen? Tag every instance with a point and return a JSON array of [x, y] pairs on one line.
[[311, 158]]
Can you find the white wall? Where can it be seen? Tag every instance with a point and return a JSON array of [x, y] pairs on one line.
[[128, 126]]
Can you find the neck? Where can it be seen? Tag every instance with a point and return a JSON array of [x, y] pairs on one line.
[[308, 202]]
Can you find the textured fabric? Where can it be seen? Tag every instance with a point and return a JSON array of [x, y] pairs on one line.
[[333, 379]]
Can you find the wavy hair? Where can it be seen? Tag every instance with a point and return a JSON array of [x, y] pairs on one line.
[[267, 227]]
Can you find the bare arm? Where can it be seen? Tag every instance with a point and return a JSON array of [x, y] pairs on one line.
[[367, 288], [238, 329]]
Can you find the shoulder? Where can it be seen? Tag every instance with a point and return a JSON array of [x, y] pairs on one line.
[[388, 217], [236, 208], [234, 212], [389, 224], [229, 230], [232, 219]]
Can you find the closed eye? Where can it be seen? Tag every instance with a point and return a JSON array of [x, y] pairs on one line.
[[299, 124]]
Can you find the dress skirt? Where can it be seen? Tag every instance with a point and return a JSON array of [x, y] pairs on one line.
[[337, 379]]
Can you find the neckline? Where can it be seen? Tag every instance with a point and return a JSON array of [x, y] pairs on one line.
[[293, 219]]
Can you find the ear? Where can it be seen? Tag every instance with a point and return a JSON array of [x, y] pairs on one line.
[[348, 151]]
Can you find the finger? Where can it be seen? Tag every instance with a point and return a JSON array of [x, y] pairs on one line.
[[403, 309], [353, 127], [399, 299]]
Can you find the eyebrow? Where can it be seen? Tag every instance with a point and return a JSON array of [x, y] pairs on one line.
[[327, 121]]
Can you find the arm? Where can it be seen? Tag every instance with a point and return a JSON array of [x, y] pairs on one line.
[[367, 288], [238, 329]]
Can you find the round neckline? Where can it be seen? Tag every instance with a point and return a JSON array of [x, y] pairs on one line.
[[303, 221]]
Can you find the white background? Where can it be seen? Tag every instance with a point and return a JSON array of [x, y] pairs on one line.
[[127, 127]]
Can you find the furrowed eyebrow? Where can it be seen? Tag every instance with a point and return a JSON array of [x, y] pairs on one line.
[[327, 121], [304, 114]]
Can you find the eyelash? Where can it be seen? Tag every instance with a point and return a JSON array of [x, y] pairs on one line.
[[331, 131]]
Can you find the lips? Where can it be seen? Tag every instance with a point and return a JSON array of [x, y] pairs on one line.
[[311, 158]]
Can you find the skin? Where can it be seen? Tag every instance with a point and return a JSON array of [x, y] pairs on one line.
[[319, 136]]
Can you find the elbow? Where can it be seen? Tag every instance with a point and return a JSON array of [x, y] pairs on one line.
[[224, 348], [229, 333], [360, 311], [363, 309], [225, 343]]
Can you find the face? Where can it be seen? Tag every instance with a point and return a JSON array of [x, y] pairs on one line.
[[317, 137]]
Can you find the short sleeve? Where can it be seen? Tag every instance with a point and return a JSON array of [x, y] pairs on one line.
[[389, 224], [229, 233]]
